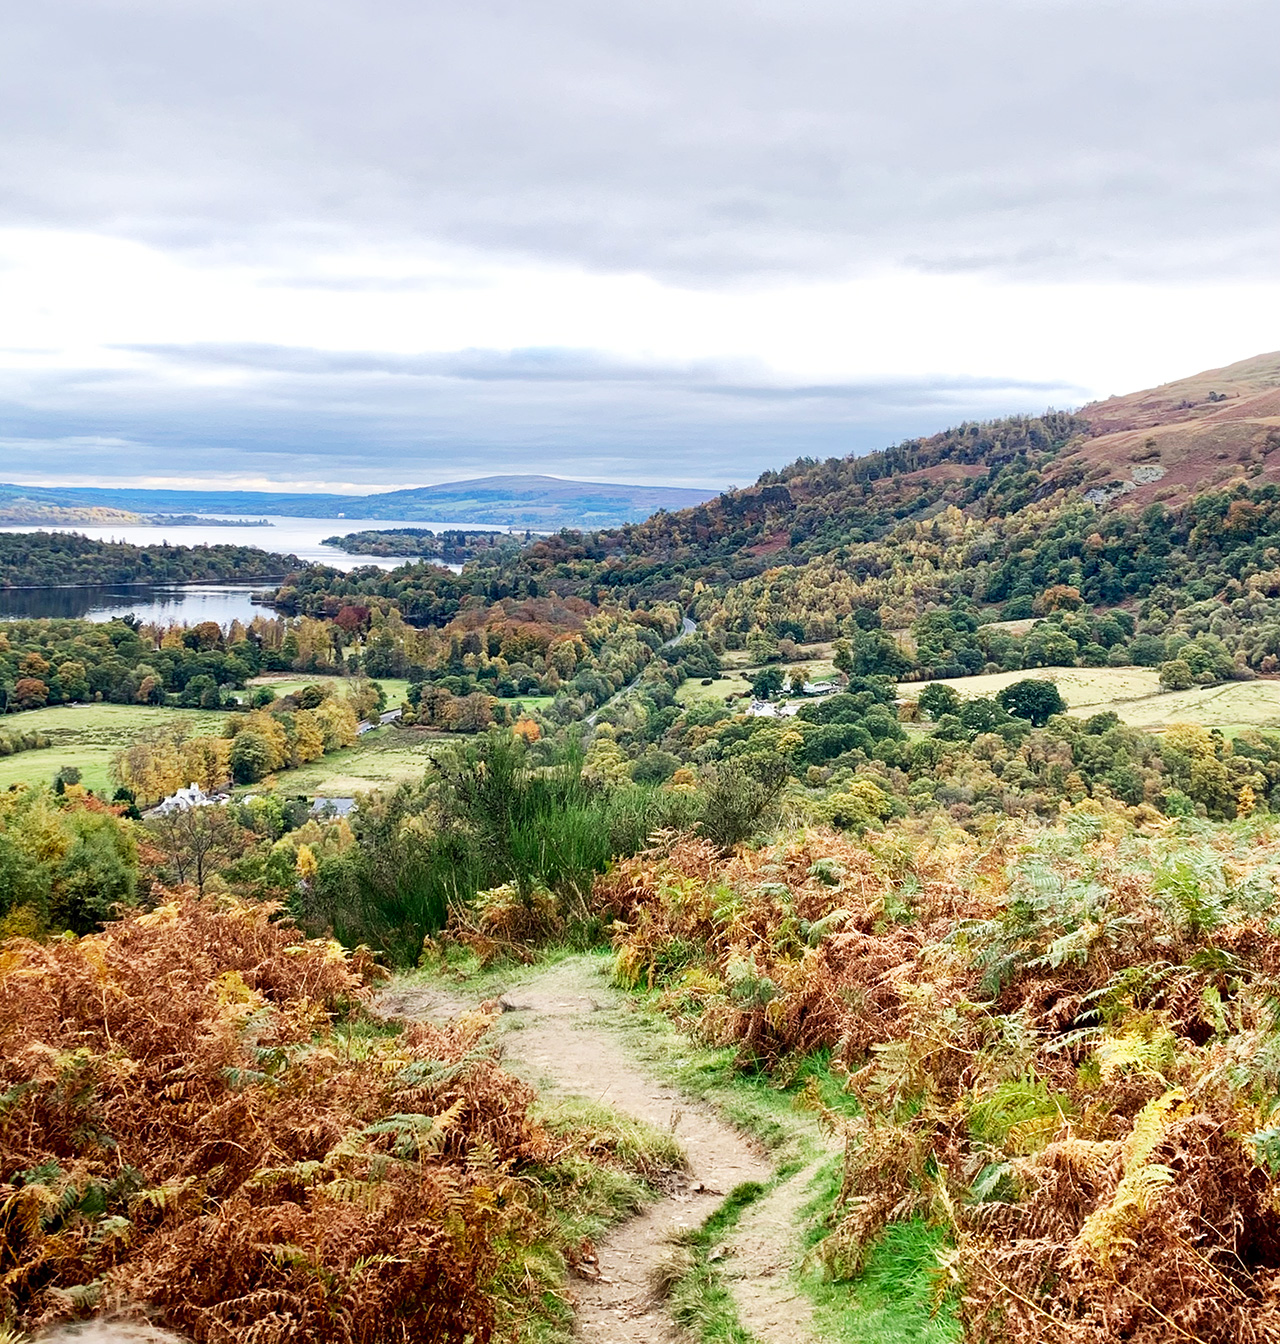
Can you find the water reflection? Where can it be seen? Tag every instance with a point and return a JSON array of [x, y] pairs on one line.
[[187, 603], [193, 603]]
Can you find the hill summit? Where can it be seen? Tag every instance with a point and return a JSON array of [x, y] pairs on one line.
[[1213, 429]]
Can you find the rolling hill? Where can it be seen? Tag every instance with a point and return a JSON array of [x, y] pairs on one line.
[[542, 502], [534, 501], [1213, 429]]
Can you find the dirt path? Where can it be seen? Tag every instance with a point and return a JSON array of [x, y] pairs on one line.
[[761, 1258], [555, 1036]]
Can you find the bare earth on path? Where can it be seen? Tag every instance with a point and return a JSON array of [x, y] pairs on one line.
[[761, 1259], [555, 1035]]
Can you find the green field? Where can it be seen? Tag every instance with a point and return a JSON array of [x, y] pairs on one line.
[[88, 736], [738, 669], [528, 703], [1134, 694], [397, 689], [720, 689], [286, 683], [380, 759]]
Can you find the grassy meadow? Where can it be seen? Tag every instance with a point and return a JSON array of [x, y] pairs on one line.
[[739, 668], [397, 689], [288, 683], [380, 759], [88, 736], [1134, 694], [721, 688]]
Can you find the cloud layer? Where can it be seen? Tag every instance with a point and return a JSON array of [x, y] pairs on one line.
[[652, 240], [298, 415], [710, 141]]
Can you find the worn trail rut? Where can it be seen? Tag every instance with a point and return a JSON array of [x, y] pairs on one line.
[[556, 1036]]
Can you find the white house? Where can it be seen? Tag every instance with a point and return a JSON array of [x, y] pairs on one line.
[[768, 709], [192, 796]]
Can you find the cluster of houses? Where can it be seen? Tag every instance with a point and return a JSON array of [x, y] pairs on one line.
[[185, 799], [784, 709], [194, 796]]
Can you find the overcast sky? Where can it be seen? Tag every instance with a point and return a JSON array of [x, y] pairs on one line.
[[391, 242]]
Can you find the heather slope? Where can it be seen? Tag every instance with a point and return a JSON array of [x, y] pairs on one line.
[[1215, 429]]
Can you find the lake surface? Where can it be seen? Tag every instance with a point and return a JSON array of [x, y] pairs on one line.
[[186, 603], [285, 536], [193, 603]]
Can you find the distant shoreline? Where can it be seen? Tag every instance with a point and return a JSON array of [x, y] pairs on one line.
[[150, 583]]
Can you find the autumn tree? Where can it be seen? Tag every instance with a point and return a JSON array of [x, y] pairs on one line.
[[1059, 597], [197, 842], [337, 720], [367, 698], [152, 766], [30, 693], [308, 737]]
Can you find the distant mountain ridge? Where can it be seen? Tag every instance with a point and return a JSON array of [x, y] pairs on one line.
[[544, 502]]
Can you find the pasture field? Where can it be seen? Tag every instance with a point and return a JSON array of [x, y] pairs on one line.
[[1235, 704], [721, 688], [380, 759], [528, 703], [1134, 694], [88, 736], [397, 689], [1088, 689], [738, 669], [286, 683]]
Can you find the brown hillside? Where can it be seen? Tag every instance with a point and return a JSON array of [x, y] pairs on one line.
[[1215, 428]]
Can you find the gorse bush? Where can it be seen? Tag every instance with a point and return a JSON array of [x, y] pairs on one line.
[[493, 813], [739, 798], [12, 743]]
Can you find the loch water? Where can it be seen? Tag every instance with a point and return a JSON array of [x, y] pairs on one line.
[[192, 603]]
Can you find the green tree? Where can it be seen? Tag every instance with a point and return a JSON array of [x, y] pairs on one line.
[[877, 654], [982, 715], [938, 699], [250, 757], [1036, 701], [767, 683], [1176, 675], [97, 875]]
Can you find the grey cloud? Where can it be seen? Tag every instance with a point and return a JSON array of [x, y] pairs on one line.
[[587, 367], [708, 140], [302, 415]]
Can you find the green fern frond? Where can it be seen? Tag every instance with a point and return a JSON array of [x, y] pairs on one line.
[[814, 933]]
